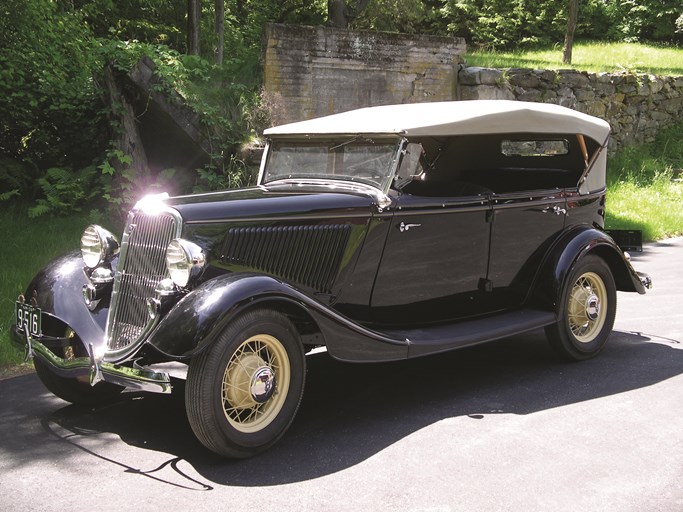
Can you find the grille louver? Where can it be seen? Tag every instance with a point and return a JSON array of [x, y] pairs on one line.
[[137, 276], [308, 255]]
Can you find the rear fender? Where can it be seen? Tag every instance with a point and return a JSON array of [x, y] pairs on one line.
[[573, 245]]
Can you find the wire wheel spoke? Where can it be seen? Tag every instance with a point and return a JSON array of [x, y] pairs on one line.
[[586, 307], [243, 406]]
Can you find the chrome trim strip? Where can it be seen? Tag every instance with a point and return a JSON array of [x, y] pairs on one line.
[[140, 378], [283, 218]]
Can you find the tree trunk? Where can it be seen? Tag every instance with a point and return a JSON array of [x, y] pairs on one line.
[[336, 14], [572, 19], [219, 27], [340, 12], [194, 11]]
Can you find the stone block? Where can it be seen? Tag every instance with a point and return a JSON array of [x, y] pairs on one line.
[[485, 92], [523, 78], [584, 94], [529, 95], [573, 79]]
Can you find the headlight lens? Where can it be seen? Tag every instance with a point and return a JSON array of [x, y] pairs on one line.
[[98, 245], [185, 261]]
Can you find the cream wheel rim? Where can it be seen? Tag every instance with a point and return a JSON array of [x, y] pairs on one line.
[[587, 307], [255, 383]]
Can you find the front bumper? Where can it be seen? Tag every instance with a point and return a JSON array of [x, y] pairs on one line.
[[135, 377]]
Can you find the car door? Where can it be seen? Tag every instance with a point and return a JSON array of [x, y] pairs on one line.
[[524, 224], [434, 260]]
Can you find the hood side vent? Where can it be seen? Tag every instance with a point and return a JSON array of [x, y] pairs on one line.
[[308, 255]]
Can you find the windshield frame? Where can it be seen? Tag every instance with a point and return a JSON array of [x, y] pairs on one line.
[[335, 143]]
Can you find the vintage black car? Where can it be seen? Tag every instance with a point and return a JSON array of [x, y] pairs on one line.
[[380, 234]]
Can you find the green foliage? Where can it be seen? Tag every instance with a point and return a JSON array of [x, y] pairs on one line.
[[504, 24], [152, 21], [396, 16], [231, 175], [16, 179], [66, 191], [49, 104], [645, 20]]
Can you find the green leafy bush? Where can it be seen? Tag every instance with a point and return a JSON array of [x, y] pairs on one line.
[[66, 191], [50, 107]]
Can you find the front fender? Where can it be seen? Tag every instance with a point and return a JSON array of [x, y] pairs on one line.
[[197, 319], [57, 290], [573, 245]]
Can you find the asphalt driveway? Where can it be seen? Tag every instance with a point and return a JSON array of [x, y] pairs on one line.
[[497, 427]]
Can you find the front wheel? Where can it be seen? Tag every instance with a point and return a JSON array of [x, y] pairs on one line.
[[587, 311], [242, 393]]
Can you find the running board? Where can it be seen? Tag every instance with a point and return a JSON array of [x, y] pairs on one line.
[[432, 340]]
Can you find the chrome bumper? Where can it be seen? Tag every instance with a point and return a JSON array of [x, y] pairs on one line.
[[136, 377], [645, 279]]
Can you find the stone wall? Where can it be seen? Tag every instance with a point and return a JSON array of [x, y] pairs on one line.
[[635, 105], [315, 71]]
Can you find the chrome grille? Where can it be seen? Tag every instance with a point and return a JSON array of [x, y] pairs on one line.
[[308, 255], [142, 266]]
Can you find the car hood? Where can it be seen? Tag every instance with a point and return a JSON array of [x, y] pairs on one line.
[[262, 203]]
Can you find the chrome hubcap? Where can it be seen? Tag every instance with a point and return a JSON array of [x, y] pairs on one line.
[[593, 307], [262, 384]]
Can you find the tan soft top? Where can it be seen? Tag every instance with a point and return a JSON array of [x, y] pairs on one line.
[[452, 118]]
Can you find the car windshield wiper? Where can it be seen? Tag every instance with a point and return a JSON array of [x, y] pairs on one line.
[[350, 141]]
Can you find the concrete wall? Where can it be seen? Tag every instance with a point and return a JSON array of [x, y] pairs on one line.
[[317, 71]]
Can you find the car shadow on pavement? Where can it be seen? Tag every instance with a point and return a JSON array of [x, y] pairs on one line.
[[351, 412]]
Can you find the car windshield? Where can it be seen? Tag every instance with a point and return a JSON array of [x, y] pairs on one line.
[[356, 159]]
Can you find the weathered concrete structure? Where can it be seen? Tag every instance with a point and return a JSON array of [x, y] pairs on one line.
[[322, 70]]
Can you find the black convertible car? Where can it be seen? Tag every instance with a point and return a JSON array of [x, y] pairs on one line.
[[381, 234]]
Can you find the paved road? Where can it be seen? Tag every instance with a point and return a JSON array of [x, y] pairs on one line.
[[496, 427]]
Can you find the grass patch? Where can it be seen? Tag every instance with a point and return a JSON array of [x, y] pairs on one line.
[[589, 56], [644, 185], [28, 245]]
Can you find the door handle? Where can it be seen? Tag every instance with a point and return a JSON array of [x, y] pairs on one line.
[[555, 209], [403, 227]]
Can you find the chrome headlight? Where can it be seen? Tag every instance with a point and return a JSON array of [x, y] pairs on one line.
[[185, 261], [98, 245]]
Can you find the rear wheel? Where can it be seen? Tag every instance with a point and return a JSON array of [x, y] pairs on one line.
[[242, 393], [588, 309]]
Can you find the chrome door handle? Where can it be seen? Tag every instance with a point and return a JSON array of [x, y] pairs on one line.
[[555, 209], [405, 227]]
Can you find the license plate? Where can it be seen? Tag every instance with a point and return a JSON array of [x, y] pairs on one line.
[[28, 318]]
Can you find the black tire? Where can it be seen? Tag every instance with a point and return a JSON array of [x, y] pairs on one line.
[[242, 393], [587, 310], [76, 391]]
